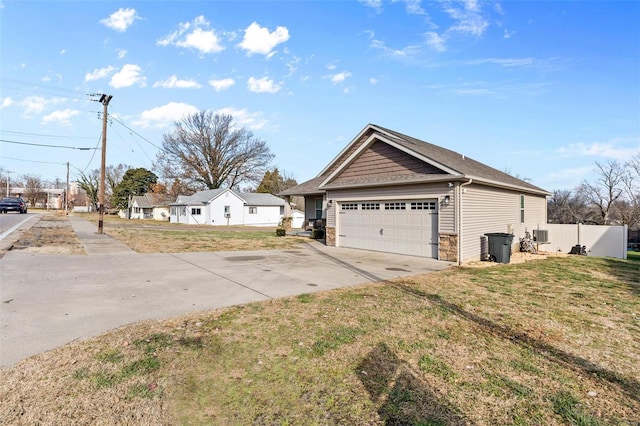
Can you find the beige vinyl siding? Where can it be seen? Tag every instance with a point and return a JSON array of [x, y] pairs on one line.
[[331, 215], [486, 209]]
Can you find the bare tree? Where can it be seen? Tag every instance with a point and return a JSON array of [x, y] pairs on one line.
[[566, 206], [113, 177], [34, 188], [607, 188], [630, 208], [90, 183], [210, 151]]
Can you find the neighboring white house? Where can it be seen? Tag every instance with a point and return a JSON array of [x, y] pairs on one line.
[[144, 207], [221, 207]]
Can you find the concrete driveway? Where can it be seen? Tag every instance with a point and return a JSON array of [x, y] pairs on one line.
[[50, 300]]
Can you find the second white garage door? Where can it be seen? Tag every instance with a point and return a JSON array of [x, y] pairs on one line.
[[403, 227]]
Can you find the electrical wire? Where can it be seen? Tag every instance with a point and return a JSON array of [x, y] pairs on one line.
[[47, 146], [117, 120], [32, 161], [92, 155], [45, 136]]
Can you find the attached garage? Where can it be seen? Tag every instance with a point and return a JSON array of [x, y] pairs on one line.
[[393, 226]]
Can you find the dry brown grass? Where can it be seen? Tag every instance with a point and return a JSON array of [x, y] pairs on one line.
[[51, 234], [555, 341]]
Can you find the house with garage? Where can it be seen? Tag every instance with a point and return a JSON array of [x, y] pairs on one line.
[[386, 191], [226, 207]]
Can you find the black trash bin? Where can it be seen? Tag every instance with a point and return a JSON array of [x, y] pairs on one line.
[[500, 246]]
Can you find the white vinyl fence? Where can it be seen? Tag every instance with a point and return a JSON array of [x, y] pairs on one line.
[[599, 240]]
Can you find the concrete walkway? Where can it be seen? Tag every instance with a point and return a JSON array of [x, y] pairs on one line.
[[95, 243], [49, 300]]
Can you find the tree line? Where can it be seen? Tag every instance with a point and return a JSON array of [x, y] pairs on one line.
[[612, 196]]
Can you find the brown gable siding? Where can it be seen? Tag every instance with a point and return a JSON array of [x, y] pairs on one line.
[[348, 153], [381, 159]]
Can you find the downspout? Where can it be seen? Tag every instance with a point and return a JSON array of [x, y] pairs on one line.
[[460, 219]]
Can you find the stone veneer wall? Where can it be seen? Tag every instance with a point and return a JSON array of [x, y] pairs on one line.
[[330, 236], [448, 247]]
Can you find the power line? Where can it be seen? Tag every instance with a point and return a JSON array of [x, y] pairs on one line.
[[32, 161], [47, 146], [136, 133], [45, 136]]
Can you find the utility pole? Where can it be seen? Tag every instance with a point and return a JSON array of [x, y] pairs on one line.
[[66, 193], [8, 181], [104, 100]]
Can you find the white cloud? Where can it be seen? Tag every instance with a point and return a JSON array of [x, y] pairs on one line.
[[262, 85], [33, 104], [222, 84], [63, 51], [617, 149], [340, 77], [99, 73], [121, 19], [196, 34], [331, 67], [405, 52], [61, 116], [259, 40], [435, 41], [374, 4], [6, 102], [373, 80], [174, 82], [504, 62], [468, 19], [128, 76], [121, 53], [413, 7], [165, 115], [508, 34], [244, 118]]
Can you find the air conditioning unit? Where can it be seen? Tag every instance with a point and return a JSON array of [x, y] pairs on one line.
[[541, 235]]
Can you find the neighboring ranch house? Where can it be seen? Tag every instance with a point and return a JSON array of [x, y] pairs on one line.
[[144, 207], [393, 193], [227, 207]]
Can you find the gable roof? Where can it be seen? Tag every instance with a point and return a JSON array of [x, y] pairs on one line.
[[249, 198], [199, 197], [261, 199], [142, 201], [457, 166]]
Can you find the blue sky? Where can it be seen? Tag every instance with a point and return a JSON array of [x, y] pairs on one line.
[[542, 89]]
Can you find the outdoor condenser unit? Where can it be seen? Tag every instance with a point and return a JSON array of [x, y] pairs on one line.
[[541, 235]]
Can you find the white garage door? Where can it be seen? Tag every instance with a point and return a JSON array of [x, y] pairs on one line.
[[404, 227]]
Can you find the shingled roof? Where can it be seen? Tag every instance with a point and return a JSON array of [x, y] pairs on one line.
[[464, 168]]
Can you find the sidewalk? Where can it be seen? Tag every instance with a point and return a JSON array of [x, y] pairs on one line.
[[94, 243]]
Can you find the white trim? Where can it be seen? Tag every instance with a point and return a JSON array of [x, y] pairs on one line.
[[346, 148]]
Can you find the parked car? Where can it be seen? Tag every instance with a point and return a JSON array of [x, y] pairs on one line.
[[13, 204]]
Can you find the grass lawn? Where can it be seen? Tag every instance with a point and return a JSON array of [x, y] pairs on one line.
[[151, 236], [553, 341]]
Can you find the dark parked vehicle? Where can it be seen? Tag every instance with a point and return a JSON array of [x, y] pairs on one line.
[[13, 204]]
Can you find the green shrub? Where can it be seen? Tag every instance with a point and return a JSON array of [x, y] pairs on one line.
[[281, 232], [317, 234]]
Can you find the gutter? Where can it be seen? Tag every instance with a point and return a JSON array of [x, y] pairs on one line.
[[461, 191]]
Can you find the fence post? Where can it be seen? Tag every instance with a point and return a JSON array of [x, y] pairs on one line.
[[580, 234], [625, 240]]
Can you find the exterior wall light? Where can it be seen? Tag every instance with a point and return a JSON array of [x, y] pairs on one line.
[[446, 201]]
